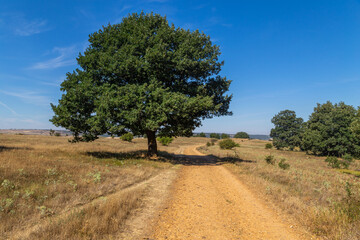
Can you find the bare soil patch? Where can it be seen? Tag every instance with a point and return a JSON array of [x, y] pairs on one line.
[[208, 202]]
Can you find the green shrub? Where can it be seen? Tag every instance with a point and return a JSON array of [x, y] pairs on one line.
[[213, 141], [127, 137], [165, 140], [268, 146], [57, 134], [270, 159], [348, 157], [208, 144], [334, 162], [215, 135], [241, 135], [283, 165], [228, 144], [202, 135], [225, 136]]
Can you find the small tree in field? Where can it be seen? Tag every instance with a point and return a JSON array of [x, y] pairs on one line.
[[241, 135], [224, 136], [287, 131], [51, 132], [143, 76], [202, 135], [215, 135]]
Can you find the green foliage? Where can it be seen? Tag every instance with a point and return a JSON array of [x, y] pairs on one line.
[[328, 131], [268, 146], [215, 135], [51, 132], [145, 76], [57, 134], [228, 144], [270, 159], [288, 130], [241, 135], [283, 165], [224, 136], [347, 157], [334, 162], [202, 134], [127, 137], [7, 184], [208, 144], [164, 140], [96, 176]]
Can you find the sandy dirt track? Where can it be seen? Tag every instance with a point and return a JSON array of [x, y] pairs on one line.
[[208, 202]]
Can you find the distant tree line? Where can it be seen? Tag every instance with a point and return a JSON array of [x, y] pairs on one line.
[[332, 130], [224, 135]]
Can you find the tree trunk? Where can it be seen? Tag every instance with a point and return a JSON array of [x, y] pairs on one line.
[[152, 145]]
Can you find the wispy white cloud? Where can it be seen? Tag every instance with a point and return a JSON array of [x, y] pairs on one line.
[[8, 108], [124, 8], [20, 25], [54, 83], [28, 28], [65, 58], [29, 97]]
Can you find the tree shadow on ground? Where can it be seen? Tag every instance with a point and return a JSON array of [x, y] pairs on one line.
[[4, 148], [163, 156]]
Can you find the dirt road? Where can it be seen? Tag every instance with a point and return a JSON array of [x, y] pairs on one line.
[[208, 202]]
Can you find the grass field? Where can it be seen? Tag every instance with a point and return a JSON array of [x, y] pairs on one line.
[[51, 188], [325, 200]]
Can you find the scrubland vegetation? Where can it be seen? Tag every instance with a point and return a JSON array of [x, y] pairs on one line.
[[324, 199], [50, 187]]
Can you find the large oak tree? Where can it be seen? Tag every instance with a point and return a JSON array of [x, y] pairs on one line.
[[143, 76]]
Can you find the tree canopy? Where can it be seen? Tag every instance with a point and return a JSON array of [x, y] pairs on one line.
[[332, 130], [241, 135], [224, 136], [215, 135], [287, 131], [143, 76]]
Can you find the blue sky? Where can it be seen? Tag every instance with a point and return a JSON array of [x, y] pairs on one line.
[[279, 54]]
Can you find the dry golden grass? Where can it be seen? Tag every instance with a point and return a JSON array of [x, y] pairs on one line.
[[50, 188], [324, 200]]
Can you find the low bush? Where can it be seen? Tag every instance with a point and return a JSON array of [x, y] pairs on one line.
[[202, 135], [348, 157], [228, 144], [270, 159], [268, 146], [127, 137], [334, 162], [57, 134], [208, 144], [215, 135], [241, 135], [283, 165], [165, 140], [225, 136]]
